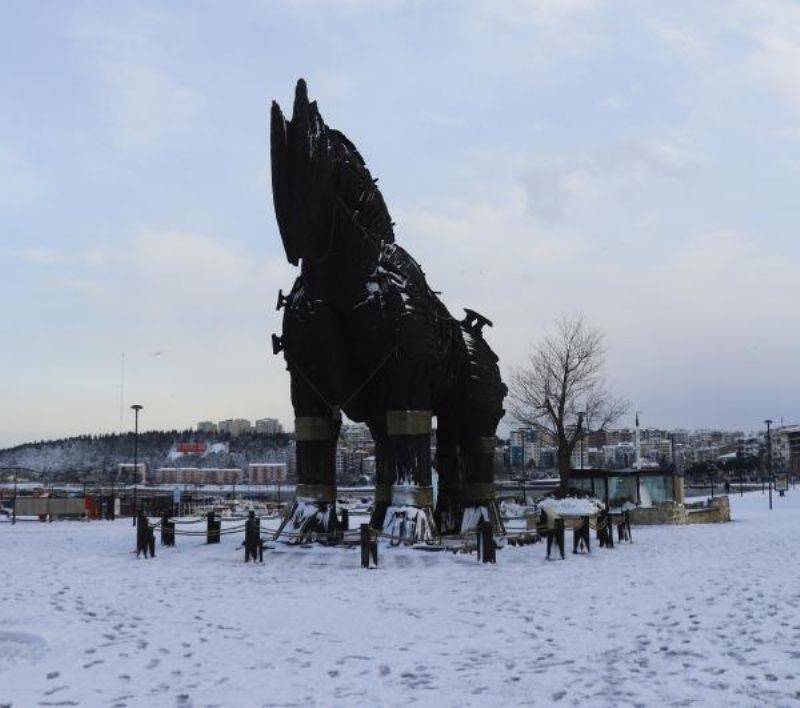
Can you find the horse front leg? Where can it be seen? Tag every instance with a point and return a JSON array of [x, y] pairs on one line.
[[312, 515], [317, 363]]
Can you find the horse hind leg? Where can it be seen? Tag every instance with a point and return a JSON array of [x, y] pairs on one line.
[[448, 469], [482, 409], [478, 501]]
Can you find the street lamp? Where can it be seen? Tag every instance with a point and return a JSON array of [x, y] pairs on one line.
[[14, 509], [581, 416], [136, 408], [112, 514], [769, 459]]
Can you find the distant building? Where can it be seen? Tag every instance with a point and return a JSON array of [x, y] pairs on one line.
[[126, 470], [524, 446], [206, 426], [268, 426], [355, 435], [197, 475], [749, 447], [620, 455], [235, 426], [266, 472], [786, 449], [368, 468], [548, 458]]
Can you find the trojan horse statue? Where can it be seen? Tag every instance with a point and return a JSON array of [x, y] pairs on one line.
[[363, 333]]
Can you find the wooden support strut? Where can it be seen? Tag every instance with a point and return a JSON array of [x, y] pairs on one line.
[[167, 531], [145, 537], [487, 549], [605, 530], [213, 528], [581, 536], [556, 534], [369, 548], [253, 544]]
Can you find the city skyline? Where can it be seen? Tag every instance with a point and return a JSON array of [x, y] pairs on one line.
[[636, 162]]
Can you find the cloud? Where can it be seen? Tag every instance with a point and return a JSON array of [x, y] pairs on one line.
[[541, 13], [21, 184], [46, 256], [147, 107], [36, 255], [557, 185], [205, 301], [132, 50], [777, 62], [682, 40], [701, 308], [169, 273]]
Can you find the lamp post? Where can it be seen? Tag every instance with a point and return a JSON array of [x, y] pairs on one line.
[[111, 513], [581, 416], [14, 509], [769, 459], [136, 408]]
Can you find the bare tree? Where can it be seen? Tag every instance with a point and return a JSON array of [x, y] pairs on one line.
[[562, 391]]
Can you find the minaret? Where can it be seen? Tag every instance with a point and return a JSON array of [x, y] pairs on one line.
[[637, 444]]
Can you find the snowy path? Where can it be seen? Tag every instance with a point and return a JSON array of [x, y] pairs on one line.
[[706, 615]]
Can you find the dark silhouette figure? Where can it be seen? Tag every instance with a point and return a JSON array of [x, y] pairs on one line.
[[363, 333]]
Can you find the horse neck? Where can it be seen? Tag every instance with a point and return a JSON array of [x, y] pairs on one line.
[[339, 274]]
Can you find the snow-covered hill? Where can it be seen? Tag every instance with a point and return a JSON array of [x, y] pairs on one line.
[[89, 454]]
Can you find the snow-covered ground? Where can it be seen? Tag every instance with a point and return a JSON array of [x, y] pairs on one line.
[[705, 615]]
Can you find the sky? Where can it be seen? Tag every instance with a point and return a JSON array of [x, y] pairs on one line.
[[635, 161]]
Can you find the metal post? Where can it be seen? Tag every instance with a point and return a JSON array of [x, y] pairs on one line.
[[769, 459], [136, 408], [14, 510], [674, 461], [366, 547]]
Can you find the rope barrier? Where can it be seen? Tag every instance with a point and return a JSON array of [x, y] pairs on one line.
[[352, 536]]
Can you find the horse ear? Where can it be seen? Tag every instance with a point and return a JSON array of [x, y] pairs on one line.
[[281, 188], [292, 169]]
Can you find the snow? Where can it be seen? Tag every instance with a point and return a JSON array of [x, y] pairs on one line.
[[473, 515], [216, 448], [572, 506], [706, 615]]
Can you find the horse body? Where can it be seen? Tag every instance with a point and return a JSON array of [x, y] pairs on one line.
[[363, 333]]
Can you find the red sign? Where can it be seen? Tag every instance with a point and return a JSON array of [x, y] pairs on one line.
[[191, 448]]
